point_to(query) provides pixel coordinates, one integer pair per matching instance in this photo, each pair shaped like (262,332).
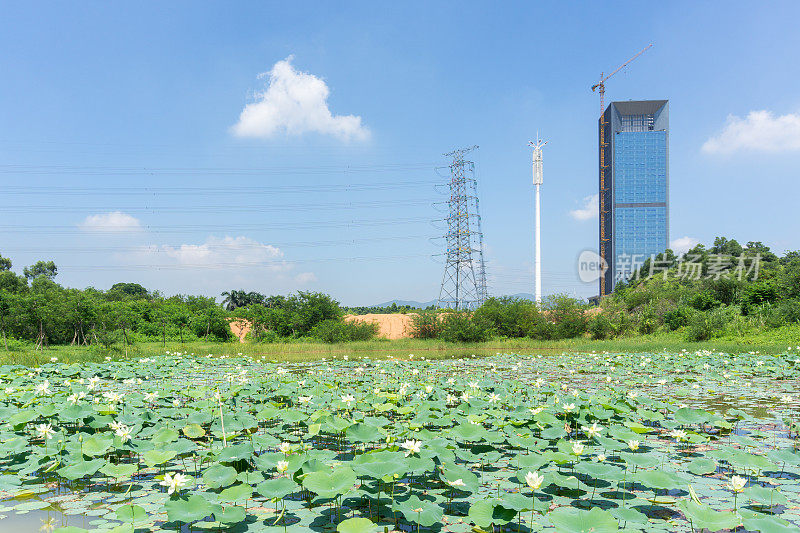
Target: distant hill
(423,305)
(409,303)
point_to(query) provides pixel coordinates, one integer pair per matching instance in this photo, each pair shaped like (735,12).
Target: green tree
(12,283)
(45,269)
(131,289)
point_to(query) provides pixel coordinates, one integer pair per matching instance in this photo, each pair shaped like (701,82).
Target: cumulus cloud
(759,131)
(682,245)
(221,253)
(112,222)
(589,209)
(216,264)
(294,103)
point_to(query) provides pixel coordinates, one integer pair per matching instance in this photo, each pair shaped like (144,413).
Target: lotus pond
(569,443)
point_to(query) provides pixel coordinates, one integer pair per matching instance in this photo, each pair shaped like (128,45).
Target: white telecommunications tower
(538,178)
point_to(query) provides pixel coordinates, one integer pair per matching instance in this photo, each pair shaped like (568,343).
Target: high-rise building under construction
(634,186)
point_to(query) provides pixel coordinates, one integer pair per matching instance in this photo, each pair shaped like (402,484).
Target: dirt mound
(240,328)
(390,326)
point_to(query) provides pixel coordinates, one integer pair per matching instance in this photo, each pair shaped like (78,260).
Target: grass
(765,341)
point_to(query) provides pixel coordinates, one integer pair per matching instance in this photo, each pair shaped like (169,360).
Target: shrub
(647,320)
(781,314)
(600,327)
(465,327)
(704,301)
(342,331)
(707,325)
(426,325)
(677,318)
(566,315)
(510,317)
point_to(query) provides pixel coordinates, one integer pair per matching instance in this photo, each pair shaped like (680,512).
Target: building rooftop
(638,107)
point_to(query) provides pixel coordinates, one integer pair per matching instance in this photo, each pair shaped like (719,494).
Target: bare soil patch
(390,326)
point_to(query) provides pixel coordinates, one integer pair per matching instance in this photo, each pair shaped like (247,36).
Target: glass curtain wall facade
(634,186)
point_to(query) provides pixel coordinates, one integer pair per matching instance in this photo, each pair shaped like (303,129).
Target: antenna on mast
(538,179)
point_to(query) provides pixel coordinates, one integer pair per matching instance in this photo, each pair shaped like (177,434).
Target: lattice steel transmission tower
(464,280)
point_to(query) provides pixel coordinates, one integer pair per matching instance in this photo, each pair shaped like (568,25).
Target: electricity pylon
(462,287)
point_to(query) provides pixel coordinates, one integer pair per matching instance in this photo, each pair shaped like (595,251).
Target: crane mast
(600,87)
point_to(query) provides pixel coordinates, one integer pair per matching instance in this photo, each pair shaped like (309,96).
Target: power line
(199,171)
(165,249)
(228,190)
(204,228)
(238,264)
(216,208)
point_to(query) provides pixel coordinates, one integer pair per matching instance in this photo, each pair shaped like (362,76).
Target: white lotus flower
(411,446)
(45,430)
(457,483)
(43,388)
(738,483)
(348,399)
(678,434)
(112,397)
(174,482)
(285,447)
(592,430)
(282,466)
(48,525)
(494,398)
(304,399)
(534,480)
(633,445)
(93,381)
(123,432)
(577,448)
(150,396)
(568,406)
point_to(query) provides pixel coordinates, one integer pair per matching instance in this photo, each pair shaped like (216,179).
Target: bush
(465,327)
(648,321)
(601,327)
(677,318)
(782,314)
(343,331)
(566,316)
(704,301)
(510,317)
(426,325)
(707,325)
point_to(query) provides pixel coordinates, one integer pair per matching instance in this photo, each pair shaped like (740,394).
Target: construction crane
(601,85)
(601,88)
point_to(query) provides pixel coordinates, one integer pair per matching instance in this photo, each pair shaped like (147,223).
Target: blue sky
(124,117)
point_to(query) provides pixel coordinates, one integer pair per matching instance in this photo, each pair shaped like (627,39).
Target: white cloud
(759,131)
(221,253)
(112,222)
(682,245)
(294,103)
(589,209)
(305,278)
